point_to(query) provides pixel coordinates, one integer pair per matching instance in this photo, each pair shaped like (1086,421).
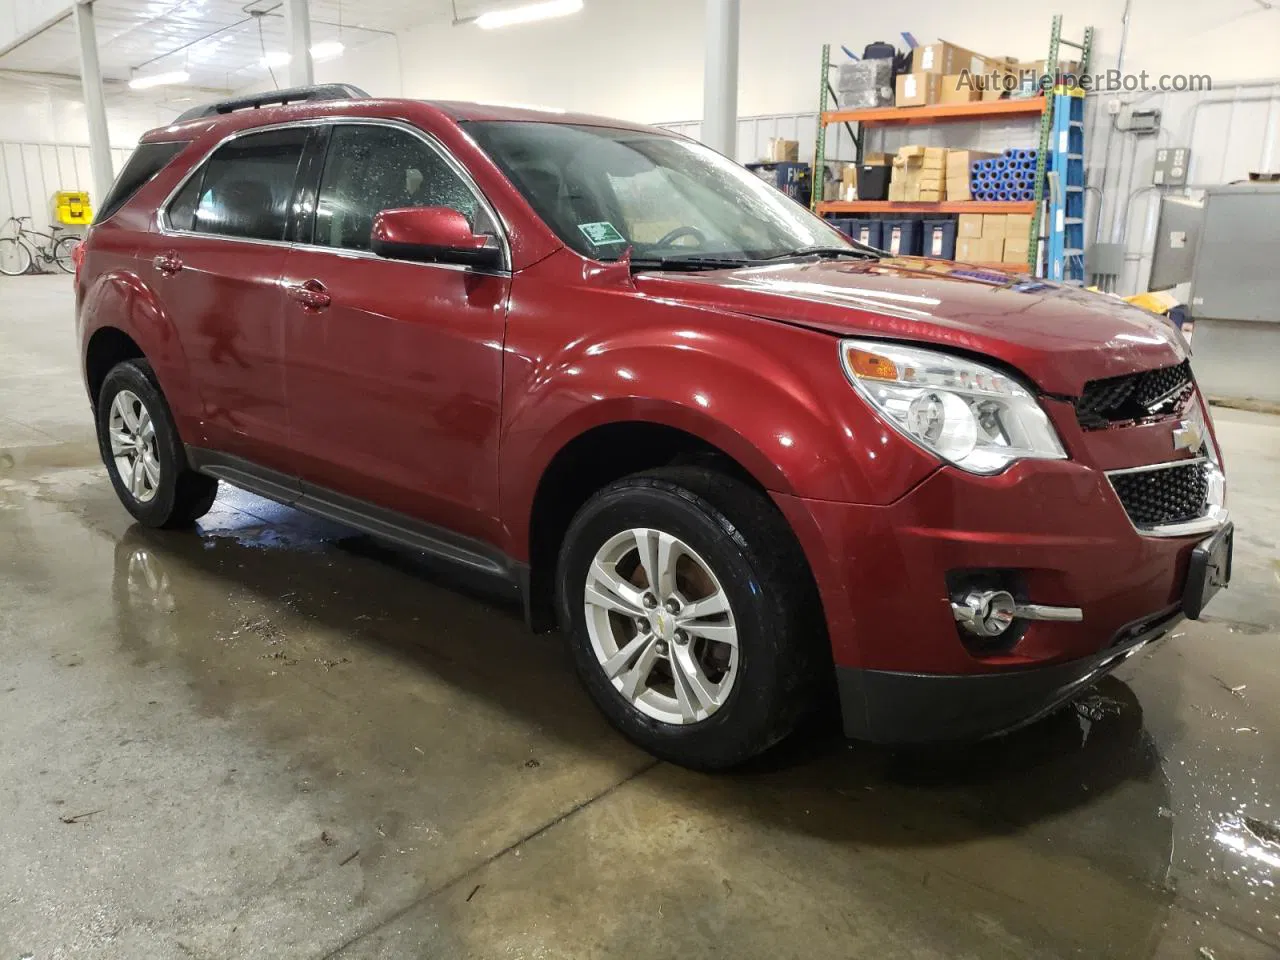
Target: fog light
(986,613)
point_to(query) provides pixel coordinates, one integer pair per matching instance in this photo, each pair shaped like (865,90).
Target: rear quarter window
(146,161)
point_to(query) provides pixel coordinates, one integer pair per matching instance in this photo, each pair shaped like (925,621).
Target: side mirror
(432,235)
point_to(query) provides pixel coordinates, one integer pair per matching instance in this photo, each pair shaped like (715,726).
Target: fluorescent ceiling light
(527,14)
(327,50)
(159,80)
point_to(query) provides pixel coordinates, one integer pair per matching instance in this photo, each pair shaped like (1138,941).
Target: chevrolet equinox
(738,459)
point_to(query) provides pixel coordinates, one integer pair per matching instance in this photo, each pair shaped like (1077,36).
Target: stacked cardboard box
(782,150)
(941,73)
(919,174)
(1017,237)
(959,175)
(993,237)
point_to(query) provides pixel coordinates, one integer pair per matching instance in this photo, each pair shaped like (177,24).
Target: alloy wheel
(661,626)
(133,446)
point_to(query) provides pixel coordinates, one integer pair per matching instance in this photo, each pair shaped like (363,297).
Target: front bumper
(905,673)
(905,708)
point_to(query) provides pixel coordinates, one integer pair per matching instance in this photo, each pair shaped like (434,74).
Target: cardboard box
(1015,249)
(783,151)
(994,225)
(877,158)
(935,158)
(909,151)
(989,250)
(918,89)
(998,82)
(961,88)
(980,249)
(944,58)
(970,227)
(1017,225)
(959,177)
(1030,73)
(924,195)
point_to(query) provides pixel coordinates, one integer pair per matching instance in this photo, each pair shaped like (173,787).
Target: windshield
(605,190)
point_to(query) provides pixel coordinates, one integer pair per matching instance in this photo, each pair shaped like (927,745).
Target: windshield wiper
(826,252)
(688,263)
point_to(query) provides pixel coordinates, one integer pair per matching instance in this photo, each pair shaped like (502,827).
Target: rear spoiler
(323,91)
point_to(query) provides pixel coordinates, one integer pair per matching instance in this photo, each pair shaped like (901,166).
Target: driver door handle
(311,294)
(168,263)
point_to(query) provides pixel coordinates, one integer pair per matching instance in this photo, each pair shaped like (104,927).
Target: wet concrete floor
(273,738)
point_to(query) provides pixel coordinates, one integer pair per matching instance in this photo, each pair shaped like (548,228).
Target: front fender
(771,396)
(120,299)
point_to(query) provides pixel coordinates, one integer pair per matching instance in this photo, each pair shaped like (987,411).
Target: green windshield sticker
(601,234)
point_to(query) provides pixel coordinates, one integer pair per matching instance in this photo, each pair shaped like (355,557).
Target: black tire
(62,254)
(181,495)
(782,640)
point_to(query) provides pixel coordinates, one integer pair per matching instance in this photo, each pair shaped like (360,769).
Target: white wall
(642,59)
(38,108)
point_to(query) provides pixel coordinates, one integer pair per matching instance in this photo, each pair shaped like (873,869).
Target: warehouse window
(145,162)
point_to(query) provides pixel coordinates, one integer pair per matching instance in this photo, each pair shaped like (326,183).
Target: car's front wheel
(143,453)
(693,619)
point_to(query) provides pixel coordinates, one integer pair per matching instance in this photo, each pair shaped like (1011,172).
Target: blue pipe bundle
(1010,176)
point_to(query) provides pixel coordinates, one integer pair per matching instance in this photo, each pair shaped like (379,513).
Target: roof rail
(323,91)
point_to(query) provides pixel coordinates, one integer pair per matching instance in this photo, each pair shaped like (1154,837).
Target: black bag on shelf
(879,51)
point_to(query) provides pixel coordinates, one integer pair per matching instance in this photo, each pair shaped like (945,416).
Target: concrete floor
(272,738)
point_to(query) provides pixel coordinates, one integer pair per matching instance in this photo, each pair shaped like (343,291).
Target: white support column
(95,110)
(297,25)
(720,88)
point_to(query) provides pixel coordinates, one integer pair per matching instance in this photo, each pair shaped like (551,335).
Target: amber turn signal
(871,366)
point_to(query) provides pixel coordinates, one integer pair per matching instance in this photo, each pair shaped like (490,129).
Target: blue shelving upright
(1065,260)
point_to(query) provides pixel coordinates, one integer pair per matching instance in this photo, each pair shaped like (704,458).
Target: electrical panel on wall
(1143,123)
(1170,168)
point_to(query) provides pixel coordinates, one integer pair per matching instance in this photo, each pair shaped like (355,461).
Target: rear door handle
(168,263)
(311,294)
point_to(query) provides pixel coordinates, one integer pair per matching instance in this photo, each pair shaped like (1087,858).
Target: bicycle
(19,252)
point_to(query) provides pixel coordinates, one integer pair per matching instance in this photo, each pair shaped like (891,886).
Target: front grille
(1172,494)
(1134,396)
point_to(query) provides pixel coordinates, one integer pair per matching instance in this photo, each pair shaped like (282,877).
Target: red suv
(719,445)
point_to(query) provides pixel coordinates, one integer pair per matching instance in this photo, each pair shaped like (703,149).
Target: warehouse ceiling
(220,43)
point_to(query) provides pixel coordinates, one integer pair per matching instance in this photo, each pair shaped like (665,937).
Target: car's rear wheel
(143,453)
(693,619)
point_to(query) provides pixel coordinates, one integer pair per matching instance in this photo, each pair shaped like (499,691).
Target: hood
(1059,336)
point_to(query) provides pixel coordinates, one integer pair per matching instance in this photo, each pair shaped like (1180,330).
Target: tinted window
(369,169)
(245,188)
(148,160)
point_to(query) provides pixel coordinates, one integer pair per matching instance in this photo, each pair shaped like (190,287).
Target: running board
(290,491)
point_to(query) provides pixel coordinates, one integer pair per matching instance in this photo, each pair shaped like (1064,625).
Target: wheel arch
(591,459)
(122,318)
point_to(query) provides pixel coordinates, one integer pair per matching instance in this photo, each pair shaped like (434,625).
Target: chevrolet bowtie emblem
(1188,436)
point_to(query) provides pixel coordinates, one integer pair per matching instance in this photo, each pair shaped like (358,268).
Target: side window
(182,211)
(244,189)
(369,169)
(146,161)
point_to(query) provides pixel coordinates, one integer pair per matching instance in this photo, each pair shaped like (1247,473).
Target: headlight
(976,417)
